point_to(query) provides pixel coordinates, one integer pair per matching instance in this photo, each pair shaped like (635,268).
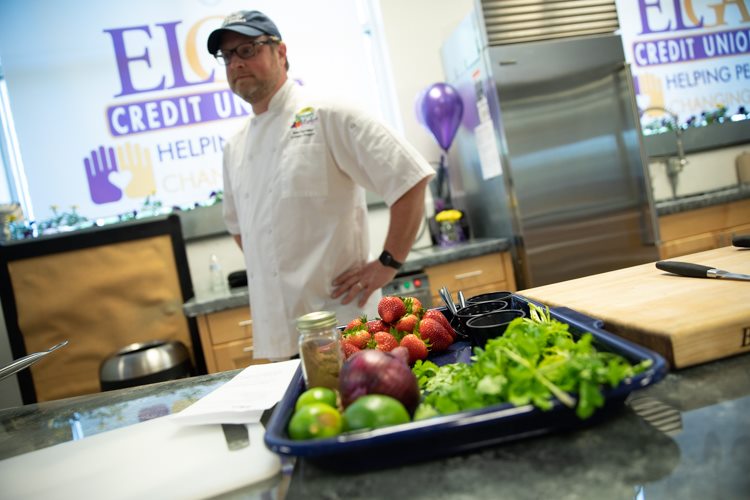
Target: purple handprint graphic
(98,168)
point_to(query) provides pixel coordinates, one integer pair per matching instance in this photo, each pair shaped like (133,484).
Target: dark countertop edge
(418,259)
(702,200)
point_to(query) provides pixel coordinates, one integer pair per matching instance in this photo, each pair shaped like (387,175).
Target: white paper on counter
(243,399)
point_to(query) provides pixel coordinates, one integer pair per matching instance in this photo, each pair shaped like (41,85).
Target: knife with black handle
(741,241)
(698,271)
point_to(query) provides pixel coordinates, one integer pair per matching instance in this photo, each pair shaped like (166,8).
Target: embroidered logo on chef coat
(304,123)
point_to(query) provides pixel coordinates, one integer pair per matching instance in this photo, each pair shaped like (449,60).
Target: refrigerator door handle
(650,226)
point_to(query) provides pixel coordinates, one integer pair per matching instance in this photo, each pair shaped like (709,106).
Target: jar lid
(318,319)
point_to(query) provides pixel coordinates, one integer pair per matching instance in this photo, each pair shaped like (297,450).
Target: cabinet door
(235,354)
(227,339)
(232,324)
(487,273)
(724,238)
(714,219)
(690,244)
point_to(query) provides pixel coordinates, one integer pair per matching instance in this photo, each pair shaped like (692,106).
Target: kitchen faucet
(674,165)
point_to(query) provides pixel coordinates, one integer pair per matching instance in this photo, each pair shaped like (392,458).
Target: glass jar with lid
(320,349)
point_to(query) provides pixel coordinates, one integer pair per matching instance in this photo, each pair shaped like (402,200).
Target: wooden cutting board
(687,320)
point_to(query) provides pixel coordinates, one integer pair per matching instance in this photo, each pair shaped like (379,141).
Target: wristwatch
(387,260)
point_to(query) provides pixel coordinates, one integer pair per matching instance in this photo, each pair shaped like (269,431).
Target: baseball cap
(244,22)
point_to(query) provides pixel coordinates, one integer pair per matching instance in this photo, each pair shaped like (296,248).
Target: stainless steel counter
(418,259)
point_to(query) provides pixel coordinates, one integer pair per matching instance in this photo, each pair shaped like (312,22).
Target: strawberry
(384,341)
(407,323)
(413,305)
(440,338)
(349,348)
(356,323)
(391,308)
(377,325)
(358,338)
(437,315)
(416,346)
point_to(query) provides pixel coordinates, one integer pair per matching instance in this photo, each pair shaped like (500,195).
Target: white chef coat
(294,188)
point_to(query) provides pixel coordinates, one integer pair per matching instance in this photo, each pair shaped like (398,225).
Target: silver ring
(360,285)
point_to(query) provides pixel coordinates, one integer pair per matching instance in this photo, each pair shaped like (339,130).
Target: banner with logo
(688,56)
(115,102)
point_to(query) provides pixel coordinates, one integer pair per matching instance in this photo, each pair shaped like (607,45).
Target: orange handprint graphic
(137,160)
(650,93)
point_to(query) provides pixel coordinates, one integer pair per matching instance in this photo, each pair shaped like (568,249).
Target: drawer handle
(247,322)
(470,274)
(247,349)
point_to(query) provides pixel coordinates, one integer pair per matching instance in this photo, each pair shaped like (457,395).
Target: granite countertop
(418,259)
(684,437)
(35,426)
(702,200)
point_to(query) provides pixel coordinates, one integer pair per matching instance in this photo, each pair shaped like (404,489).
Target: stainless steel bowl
(145,363)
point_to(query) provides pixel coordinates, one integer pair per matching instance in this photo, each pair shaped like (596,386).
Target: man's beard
(254,91)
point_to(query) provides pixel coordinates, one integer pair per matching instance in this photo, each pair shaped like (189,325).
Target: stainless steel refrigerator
(557,119)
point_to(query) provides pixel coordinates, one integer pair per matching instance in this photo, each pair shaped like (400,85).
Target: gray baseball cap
(244,22)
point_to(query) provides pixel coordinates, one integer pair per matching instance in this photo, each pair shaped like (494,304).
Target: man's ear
(282,51)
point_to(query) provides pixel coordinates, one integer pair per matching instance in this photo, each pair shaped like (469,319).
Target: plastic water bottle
(216,275)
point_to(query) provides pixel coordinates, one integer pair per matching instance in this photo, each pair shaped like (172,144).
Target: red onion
(371,371)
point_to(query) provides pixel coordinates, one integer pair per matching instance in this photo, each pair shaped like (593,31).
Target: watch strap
(387,260)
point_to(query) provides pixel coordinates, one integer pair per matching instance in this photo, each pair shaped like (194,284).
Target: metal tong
(446,296)
(27,361)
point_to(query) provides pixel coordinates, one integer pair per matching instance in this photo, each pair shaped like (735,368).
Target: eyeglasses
(244,51)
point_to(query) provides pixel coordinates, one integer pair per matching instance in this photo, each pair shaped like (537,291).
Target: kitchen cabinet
(227,339)
(703,229)
(474,275)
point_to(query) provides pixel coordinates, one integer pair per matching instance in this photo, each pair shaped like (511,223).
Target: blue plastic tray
(459,432)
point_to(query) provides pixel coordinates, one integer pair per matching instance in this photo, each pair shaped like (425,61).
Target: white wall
(706,171)
(415,31)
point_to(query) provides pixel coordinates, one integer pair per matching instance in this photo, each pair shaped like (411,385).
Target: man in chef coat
(294,191)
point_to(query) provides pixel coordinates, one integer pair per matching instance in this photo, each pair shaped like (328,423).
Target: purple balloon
(442,110)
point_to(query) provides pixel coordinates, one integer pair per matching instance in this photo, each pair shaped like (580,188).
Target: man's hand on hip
(361,282)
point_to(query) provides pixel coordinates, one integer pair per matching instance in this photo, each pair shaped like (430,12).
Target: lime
(316,395)
(315,421)
(374,410)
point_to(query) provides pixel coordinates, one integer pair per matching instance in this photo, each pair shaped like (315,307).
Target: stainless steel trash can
(145,363)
